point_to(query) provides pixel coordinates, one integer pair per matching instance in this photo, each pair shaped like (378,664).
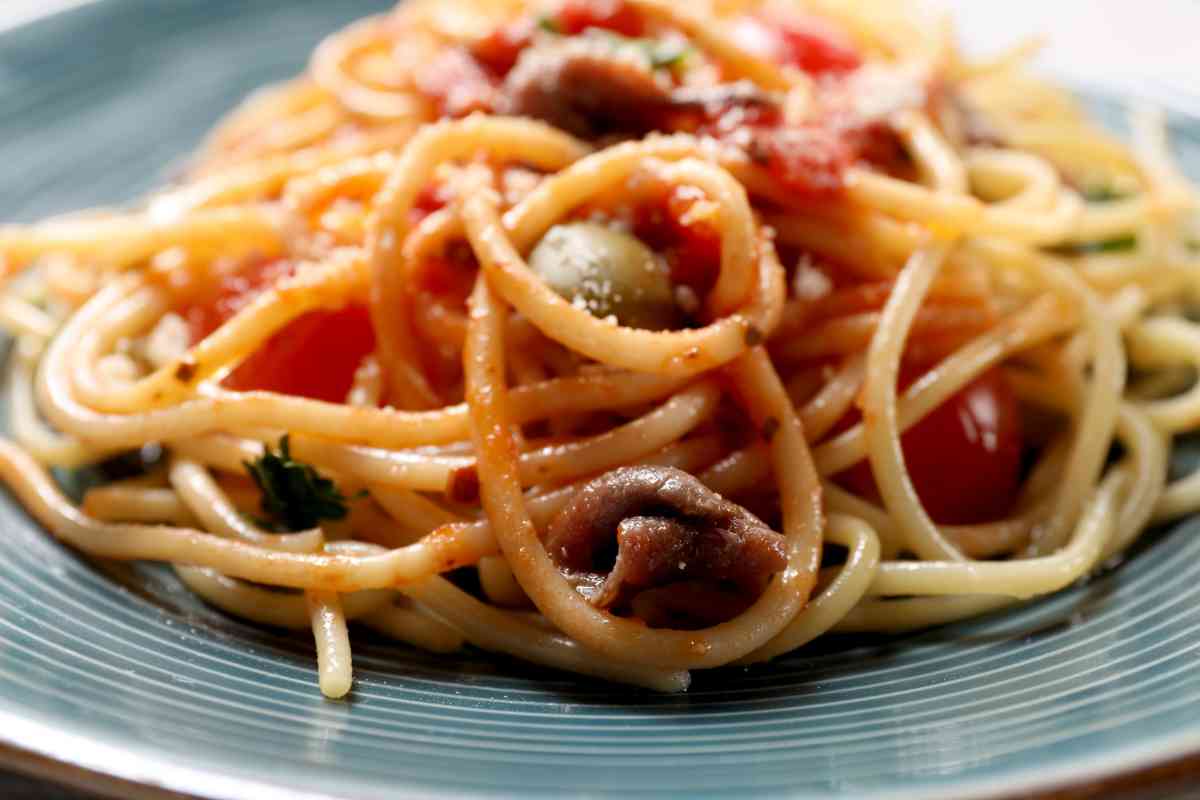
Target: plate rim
(25,747)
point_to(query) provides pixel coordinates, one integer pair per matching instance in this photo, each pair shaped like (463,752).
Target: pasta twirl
(622,338)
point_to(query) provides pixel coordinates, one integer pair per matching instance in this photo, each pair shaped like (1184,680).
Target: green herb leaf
(295,497)
(1102,193)
(549,24)
(1117,245)
(1109,245)
(666,55)
(660,53)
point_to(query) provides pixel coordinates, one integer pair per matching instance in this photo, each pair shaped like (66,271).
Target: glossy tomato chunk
(809,160)
(499,51)
(799,41)
(576,16)
(964,458)
(314,356)
(692,249)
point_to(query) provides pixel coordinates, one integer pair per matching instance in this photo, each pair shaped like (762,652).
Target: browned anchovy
(582,86)
(665,527)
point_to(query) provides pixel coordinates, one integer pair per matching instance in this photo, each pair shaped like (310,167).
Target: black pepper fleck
(185,371)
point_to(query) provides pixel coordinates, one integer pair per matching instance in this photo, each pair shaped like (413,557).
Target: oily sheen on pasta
(624,337)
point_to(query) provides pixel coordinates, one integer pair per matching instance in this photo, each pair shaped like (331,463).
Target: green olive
(608,272)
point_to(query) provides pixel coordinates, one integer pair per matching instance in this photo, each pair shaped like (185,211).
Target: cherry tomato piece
(499,50)
(314,356)
(964,458)
(576,16)
(804,42)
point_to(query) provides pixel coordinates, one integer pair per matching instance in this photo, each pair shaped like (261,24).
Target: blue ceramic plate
(124,674)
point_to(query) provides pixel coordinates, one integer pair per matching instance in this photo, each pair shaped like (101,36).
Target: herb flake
(549,24)
(1120,244)
(659,53)
(1102,193)
(295,497)
(665,54)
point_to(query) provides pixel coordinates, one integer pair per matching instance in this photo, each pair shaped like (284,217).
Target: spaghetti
(622,338)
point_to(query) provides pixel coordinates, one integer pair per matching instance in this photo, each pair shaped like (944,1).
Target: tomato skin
(692,249)
(433,197)
(809,160)
(576,16)
(314,356)
(211,305)
(964,458)
(458,83)
(798,41)
(498,51)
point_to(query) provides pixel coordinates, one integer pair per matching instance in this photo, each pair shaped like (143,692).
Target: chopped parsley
(295,497)
(549,24)
(1102,193)
(660,53)
(666,54)
(1099,193)
(1118,245)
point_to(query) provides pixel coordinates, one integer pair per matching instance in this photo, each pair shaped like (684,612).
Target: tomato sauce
(692,248)
(314,356)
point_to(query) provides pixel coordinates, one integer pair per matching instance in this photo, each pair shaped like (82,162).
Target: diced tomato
(457,83)
(314,356)
(695,258)
(808,43)
(692,249)
(877,144)
(809,160)
(576,16)
(432,198)
(209,306)
(449,278)
(498,51)
(964,458)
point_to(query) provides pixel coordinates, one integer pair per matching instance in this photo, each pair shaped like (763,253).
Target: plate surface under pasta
(139,677)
